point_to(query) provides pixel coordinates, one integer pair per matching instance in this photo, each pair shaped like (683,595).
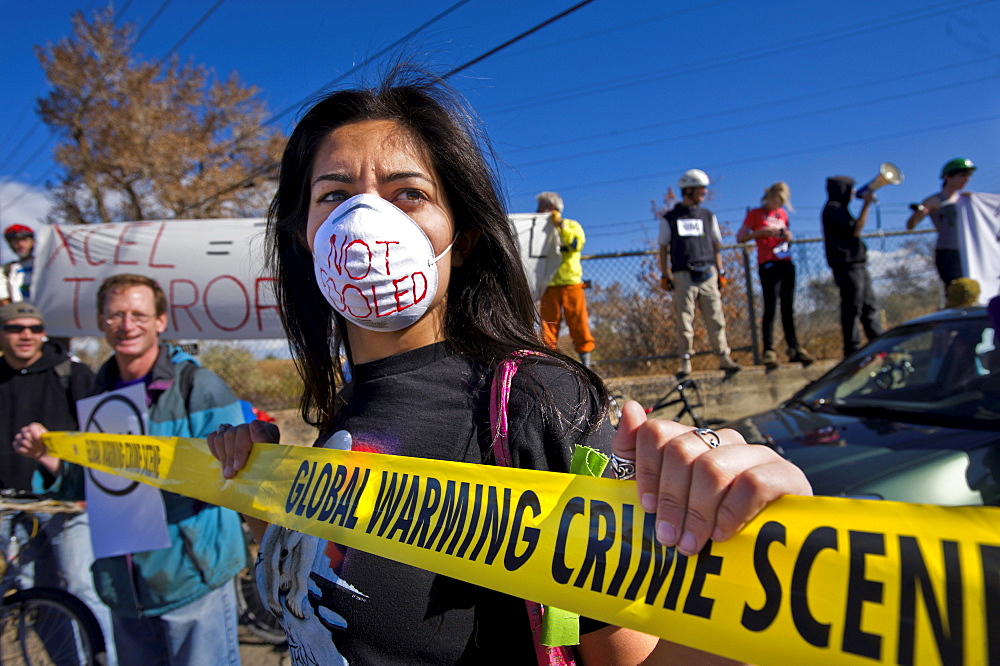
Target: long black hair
(489,312)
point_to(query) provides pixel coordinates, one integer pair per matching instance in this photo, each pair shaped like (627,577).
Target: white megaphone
(888,174)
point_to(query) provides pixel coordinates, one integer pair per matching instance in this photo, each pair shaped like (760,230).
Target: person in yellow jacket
(564,298)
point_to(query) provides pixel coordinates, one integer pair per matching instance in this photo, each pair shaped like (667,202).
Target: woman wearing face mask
(388,236)
(768,227)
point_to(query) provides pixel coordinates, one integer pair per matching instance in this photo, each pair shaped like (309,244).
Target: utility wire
(263,170)
(835,35)
(272,167)
(368,61)
(121,10)
(621,26)
(760,123)
(790,153)
(149,24)
(38,123)
(768,104)
(191,31)
(45,144)
(514,40)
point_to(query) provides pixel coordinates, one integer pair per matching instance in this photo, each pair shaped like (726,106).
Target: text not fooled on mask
(374,265)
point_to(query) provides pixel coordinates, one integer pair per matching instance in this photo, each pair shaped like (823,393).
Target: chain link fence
(632,319)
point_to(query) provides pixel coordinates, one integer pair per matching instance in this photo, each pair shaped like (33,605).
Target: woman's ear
(463,246)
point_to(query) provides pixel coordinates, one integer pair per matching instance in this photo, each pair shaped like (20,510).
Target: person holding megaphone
(943,210)
(847,256)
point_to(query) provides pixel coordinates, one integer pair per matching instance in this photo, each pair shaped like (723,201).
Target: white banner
(979,241)
(211,270)
(539,244)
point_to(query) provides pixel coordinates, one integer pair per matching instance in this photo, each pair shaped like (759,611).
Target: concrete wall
(750,391)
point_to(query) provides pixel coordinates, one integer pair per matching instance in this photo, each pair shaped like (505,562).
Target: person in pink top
(768,227)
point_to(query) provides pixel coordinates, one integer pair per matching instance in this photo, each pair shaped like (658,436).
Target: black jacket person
(847,257)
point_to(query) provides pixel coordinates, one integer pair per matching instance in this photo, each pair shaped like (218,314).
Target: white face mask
(375,265)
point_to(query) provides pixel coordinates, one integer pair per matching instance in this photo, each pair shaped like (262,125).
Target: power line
(191,31)
(45,144)
(121,10)
(261,171)
(12,130)
(514,40)
(790,153)
(622,26)
(271,167)
(740,57)
(38,122)
(369,60)
(769,121)
(768,104)
(149,24)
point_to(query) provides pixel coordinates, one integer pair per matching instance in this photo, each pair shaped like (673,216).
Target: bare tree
(150,140)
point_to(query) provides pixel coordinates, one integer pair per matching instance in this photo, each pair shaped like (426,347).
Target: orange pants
(566,302)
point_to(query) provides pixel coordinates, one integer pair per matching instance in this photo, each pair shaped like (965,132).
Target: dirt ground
(254,652)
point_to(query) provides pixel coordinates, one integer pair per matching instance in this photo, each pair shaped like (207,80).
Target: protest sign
(539,244)
(212,272)
(125,516)
(979,239)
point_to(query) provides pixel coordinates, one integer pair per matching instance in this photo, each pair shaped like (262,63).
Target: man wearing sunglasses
(40,383)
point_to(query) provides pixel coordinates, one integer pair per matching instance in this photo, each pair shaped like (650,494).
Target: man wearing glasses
(40,383)
(177,604)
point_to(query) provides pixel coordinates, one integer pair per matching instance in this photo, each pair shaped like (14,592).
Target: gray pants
(709,300)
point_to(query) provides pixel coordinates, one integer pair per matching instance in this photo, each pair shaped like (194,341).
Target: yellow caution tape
(810,580)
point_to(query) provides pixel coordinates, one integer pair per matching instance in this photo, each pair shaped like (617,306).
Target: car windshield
(946,371)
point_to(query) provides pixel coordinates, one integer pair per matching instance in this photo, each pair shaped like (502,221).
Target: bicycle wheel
(48,626)
(254,615)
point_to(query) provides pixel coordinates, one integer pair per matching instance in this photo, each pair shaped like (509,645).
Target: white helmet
(693,178)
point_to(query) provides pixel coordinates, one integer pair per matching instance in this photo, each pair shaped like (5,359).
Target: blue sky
(609,105)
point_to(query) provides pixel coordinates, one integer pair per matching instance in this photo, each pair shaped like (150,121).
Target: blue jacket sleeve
(68,485)
(212,404)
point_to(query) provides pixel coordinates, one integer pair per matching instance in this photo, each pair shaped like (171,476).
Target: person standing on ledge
(691,267)
(767,226)
(564,297)
(943,211)
(847,256)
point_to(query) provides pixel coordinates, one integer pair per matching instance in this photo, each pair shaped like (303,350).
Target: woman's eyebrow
(403,175)
(334,177)
(388,178)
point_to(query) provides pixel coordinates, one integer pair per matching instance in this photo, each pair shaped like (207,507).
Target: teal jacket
(206,541)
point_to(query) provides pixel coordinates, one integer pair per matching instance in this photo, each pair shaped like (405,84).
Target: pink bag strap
(499,429)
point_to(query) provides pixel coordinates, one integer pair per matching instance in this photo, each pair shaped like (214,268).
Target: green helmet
(957,164)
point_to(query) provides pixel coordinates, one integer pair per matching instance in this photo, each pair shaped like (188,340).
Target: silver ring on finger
(709,436)
(223,428)
(623,468)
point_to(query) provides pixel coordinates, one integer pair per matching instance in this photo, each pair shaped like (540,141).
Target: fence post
(751,304)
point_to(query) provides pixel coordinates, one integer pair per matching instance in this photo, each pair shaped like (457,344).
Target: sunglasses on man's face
(17,328)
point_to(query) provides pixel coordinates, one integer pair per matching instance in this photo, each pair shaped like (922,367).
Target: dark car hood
(844,454)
